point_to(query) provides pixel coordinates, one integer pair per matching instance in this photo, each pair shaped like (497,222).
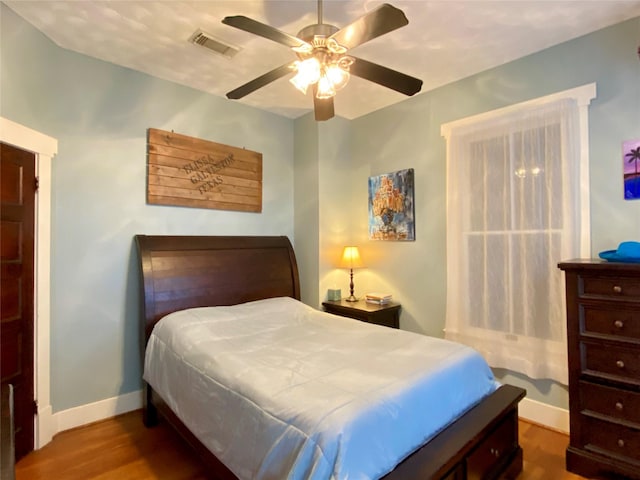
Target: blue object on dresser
(626,252)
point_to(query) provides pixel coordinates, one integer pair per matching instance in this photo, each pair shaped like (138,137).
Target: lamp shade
(351,258)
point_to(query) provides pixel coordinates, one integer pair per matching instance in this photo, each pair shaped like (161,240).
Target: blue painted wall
(100,113)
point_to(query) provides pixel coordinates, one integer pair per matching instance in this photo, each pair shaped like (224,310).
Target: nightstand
(386,315)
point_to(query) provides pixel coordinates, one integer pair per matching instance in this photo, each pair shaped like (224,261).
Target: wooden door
(17,219)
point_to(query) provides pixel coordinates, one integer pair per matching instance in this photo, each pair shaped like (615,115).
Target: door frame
(45,148)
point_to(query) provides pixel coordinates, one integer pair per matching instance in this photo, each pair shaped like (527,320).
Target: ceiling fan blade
(392,79)
(261,81)
(322,107)
(252,26)
(383,19)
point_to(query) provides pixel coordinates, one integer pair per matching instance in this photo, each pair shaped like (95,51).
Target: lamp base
(351,297)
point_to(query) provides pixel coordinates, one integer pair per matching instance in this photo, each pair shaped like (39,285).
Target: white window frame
(582,97)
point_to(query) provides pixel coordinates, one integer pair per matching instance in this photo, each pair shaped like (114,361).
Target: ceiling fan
(323,64)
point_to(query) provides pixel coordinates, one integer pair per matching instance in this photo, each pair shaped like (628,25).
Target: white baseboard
(44,431)
(92,412)
(552,417)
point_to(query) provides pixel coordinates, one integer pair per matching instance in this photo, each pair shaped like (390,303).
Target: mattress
(277,389)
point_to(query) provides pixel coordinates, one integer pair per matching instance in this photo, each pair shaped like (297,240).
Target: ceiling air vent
(215,45)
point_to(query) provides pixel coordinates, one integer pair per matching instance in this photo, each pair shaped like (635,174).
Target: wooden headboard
(179,272)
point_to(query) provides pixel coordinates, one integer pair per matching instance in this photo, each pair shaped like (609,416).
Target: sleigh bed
(253,273)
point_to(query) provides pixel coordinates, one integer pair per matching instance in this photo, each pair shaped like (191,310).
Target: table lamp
(351,259)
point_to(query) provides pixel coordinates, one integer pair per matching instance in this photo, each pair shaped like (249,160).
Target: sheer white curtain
(513,212)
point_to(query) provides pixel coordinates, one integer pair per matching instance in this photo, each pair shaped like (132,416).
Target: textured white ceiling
(446,40)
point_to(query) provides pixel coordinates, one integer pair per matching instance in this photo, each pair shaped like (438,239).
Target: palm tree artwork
(631,159)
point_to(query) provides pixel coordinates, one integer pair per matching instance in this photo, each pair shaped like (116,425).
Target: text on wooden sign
(191,172)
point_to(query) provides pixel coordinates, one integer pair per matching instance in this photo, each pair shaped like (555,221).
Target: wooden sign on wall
(190,172)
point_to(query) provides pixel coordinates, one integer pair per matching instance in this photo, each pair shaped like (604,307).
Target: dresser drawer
(617,403)
(497,447)
(611,439)
(613,362)
(627,288)
(621,324)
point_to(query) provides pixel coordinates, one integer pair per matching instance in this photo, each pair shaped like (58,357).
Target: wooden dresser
(603,332)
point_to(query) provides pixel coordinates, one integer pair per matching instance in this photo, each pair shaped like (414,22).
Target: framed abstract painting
(391,206)
(631,169)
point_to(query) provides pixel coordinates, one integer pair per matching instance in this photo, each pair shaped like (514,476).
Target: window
(517,204)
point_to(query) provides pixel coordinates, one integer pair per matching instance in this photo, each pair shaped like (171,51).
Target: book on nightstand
(378,298)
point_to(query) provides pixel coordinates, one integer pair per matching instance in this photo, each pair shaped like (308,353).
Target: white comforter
(276,389)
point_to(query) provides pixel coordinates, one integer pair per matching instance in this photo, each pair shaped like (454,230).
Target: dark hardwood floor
(543,453)
(121,448)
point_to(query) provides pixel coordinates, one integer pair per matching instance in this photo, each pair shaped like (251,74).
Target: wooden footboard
(482,444)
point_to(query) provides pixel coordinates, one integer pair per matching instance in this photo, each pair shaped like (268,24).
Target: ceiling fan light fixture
(337,76)
(299,82)
(325,87)
(334,47)
(308,73)
(305,48)
(329,74)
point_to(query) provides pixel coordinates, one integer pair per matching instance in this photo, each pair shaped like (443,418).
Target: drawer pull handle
(621,443)
(618,324)
(617,289)
(495,452)
(619,406)
(620,364)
